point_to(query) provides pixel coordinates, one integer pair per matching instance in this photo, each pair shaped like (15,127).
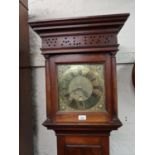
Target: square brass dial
(81,88)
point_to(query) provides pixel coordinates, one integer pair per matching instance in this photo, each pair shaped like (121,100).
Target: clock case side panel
(114,87)
(49,113)
(70,117)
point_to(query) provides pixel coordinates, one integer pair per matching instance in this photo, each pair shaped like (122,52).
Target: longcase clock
(81,91)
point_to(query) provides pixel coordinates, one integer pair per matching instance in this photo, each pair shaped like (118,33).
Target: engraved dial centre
(80,89)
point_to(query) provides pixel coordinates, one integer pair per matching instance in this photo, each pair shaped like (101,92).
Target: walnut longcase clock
(81,91)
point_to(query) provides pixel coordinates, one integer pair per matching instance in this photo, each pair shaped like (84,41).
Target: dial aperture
(81,87)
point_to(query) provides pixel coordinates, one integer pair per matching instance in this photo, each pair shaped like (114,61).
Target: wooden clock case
(75,41)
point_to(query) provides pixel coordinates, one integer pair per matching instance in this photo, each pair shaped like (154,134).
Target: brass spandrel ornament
(81,88)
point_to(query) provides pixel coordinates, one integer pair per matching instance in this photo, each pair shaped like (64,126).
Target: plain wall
(122,140)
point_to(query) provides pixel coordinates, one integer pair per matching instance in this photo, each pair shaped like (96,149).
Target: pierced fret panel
(79,41)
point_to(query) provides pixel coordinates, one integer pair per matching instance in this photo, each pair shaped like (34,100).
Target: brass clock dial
(81,87)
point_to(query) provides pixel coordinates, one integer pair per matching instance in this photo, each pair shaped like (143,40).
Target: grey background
(122,140)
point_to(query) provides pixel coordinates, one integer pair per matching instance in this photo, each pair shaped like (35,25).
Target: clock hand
(84,93)
(82,90)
